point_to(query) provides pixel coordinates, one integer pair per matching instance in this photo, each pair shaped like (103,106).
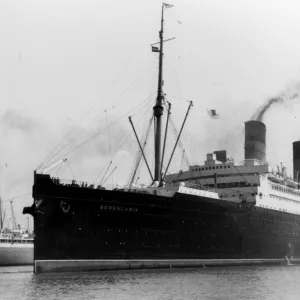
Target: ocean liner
(214,214)
(16,246)
(16,249)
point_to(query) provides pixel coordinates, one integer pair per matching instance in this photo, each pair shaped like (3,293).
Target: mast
(158,108)
(165,139)
(1,219)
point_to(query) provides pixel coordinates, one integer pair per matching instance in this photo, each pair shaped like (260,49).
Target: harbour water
(206,283)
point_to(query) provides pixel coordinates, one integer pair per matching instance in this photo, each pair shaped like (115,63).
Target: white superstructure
(250,182)
(16,251)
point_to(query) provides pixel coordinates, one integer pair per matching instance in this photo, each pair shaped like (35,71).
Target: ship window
(217,167)
(206,168)
(213,168)
(209,168)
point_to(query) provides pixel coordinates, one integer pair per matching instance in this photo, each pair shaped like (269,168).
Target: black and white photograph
(150,150)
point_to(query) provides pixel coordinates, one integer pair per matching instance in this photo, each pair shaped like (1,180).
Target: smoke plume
(266,106)
(290,93)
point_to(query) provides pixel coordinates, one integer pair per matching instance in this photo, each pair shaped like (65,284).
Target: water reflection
(206,283)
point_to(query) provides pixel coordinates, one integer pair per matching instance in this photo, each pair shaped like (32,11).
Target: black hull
(117,228)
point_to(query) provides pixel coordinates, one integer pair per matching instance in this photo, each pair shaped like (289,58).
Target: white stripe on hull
(44,266)
(16,254)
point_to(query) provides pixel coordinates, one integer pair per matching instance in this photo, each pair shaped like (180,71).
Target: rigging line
(86,113)
(144,103)
(188,142)
(182,159)
(128,64)
(142,117)
(121,73)
(112,124)
(108,134)
(58,169)
(137,158)
(52,157)
(86,141)
(181,98)
(137,162)
(192,149)
(66,136)
(104,173)
(71,169)
(149,133)
(109,175)
(129,86)
(118,150)
(175,72)
(79,132)
(186,136)
(13,198)
(95,135)
(175,135)
(138,155)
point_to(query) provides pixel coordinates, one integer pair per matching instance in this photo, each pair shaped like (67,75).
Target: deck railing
(125,187)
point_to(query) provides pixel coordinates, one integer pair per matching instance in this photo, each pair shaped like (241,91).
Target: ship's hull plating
(88,229)
(47,266)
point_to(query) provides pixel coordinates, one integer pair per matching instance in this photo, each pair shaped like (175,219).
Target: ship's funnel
(296,160)
(221,155)
(255,140)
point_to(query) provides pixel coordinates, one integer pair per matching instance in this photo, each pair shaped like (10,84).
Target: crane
(15,227)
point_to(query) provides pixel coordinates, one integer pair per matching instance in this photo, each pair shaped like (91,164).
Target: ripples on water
(206,283)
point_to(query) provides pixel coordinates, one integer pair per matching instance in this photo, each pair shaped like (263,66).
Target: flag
(167,5)
(155,49)
(213,114)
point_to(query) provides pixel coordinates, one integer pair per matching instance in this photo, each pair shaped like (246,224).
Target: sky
(79,68)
